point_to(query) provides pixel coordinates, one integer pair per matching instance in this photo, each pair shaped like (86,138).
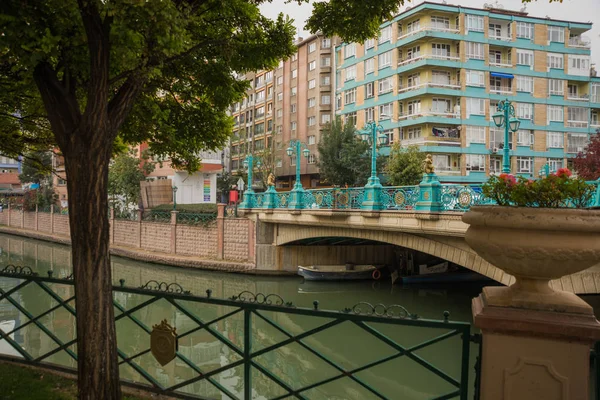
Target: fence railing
(243,347)
(156,216)
(196,218)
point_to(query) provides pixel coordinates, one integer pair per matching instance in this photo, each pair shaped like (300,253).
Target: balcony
(502,37)
(582,42)
(443,85)
(577,124)
(440,27)
(447,170)
(431,56)
(503,62)
(501,89)
(432,141)
(430,113)
(578,97)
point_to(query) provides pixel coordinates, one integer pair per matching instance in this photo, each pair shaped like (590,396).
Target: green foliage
(405,165)
(36,167)
(124,176)
(224,183)
(205,208)
(343,158)
(554,191)
(43,197)
(267,165)
(587,163)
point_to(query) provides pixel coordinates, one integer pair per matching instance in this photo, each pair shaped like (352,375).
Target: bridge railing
(454,197)
(241,346)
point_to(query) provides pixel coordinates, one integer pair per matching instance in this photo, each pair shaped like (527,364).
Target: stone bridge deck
(438,234)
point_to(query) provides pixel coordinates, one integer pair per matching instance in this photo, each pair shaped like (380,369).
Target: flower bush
(556,190)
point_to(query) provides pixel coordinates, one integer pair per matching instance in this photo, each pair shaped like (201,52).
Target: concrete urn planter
(535,245)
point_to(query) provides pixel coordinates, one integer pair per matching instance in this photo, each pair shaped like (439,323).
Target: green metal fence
(196,218)
(224,352)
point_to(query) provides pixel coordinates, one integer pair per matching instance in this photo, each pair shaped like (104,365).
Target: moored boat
(345,272)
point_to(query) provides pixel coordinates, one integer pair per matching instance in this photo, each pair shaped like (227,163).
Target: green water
(345,344)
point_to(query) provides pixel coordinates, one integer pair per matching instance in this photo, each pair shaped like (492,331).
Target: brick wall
(236,238)
(197,241)
(4,217)
(156,237)
(61,225)
(44,222)
(29,220)
(126,233)
(15,218)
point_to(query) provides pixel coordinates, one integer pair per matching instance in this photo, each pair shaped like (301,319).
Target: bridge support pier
(534,354)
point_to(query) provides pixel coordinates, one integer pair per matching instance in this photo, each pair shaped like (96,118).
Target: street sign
(240,184)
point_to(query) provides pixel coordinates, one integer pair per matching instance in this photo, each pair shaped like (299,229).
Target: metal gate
(250,345)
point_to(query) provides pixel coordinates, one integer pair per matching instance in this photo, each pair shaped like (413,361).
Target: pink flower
(563,173)
(509,179)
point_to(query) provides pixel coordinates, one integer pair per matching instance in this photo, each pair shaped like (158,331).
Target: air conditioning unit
(495,150)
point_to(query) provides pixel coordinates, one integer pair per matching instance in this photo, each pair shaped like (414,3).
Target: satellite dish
(487,5)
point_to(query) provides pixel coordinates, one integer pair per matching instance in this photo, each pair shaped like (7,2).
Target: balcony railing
(443,85)
(432,56)
(500,37)
(578,97)
(501,89)
(431,141)
(577,124)
(432,113)
(451,28)
(571,148)
(502,62)
(447,170)
(580,41)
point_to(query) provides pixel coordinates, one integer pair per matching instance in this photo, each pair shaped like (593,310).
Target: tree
(343,157)
(124,176)
(405,165)
(267,165)
(79,73)
(225,182)
(587,163)
(36,167)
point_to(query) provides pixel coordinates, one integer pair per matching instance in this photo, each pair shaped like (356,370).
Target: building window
(350,73)
(386,111)
(385,59)
(294,73)
(413,80)
(385,85)
(293,160)
(475,134)
(440,23)
(475,50)
(556,61)
(280,80)
(440,50)
(311,102)
(369,65)
(385,35)
(579,65)
(325,43)
(325,118)
(325,99)
(441,106)
(312,65)
(293,108)
(293,125)
(350,96)
(576,142)
(414,107)
(556,34)
(312,121)
(413,133)
(294,57)
(554,164)
(525,84)
(556,87)
(524,30)
(369,114)
(278,164)
(350,50)
(495,165)
(312,83)
(524,165)
(578,114)
(524,111)
(350,118)
(413,26)
(389,133)
(475,23)
(555,140)
(325,80)
(312,47)
(369,44)
(294,91)
(325,61)
(525,57)
(475,106)
(312,139)
(556,114)
(525,137)
(369,90)
(475,78)
(476,162)
(338,101)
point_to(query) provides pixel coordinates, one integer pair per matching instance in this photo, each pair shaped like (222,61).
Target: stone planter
(535,245)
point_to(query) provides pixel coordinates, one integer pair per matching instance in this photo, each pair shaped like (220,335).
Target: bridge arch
(449,248)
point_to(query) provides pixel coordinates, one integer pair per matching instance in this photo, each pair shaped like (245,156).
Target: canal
(347,345)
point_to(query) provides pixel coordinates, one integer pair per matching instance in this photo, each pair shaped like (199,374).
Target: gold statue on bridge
(428,164)
(271,180)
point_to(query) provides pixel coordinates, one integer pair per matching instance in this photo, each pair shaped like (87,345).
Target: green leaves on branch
(405,165)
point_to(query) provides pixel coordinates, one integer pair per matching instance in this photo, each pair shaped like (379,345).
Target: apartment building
(294,101)
(436,72)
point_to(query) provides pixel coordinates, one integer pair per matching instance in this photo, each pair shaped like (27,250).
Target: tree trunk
(87,184)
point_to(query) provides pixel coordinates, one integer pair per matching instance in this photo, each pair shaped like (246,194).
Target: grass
(20,383)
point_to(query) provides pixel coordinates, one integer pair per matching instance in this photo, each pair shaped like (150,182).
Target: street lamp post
(174,198)
(506,117)
(297,194)
(249,192)
(373,134)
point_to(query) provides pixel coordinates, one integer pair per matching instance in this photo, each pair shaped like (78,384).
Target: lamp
(289,151)
(246,163)
(306,152)
(498,119)
(381,139)
(514,124)
(258,164)
(364,135)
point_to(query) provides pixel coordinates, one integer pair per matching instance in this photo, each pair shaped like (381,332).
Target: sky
(570,10)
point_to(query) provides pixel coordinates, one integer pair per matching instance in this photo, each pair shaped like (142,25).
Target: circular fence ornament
(319,198)
(163,342)
(283,200)
(343,199)
(399,199)
(465,198)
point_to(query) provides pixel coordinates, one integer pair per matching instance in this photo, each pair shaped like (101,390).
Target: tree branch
(122,103)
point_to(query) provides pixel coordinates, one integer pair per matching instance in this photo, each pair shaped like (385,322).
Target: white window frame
(350,96)
(475,50)
(312,47)
(525,137)
(311,121)
(350,73)
(556,87)
(294,73)
(325,99)
(524,111)
(555,113)
(475,162)
(369,65)
(555,140)
(369,114)
(384,60)
(525,165)
(524,84)
(350,50)
(325,118)
(312,84)
(474,23)
(325,80)
(578,65)
(556,34)
(326,43)
(475,106)
(326,61)
(312,102)
(525,30)
(293,125)
(385,85)
(480,78)
(555,61)
(312,65)
(369,90)
(525,57)
(386,109)
(369,44)
(385,34)
(475,134)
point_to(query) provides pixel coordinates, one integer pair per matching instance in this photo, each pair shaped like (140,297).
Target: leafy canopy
(587,163)
(405,165)
(124,176)
(36,167)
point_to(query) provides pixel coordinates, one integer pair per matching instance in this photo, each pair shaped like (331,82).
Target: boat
(347,272)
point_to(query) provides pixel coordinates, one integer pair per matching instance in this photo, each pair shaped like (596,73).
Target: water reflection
(345,344)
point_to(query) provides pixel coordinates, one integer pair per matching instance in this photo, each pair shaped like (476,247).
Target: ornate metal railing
(130,215)
(246,346)
(196,218)
(156,216)
(400,198)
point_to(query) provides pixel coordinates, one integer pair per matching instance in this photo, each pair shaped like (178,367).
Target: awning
(501,75)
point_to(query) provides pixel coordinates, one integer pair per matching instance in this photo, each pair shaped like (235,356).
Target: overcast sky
(570,10)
